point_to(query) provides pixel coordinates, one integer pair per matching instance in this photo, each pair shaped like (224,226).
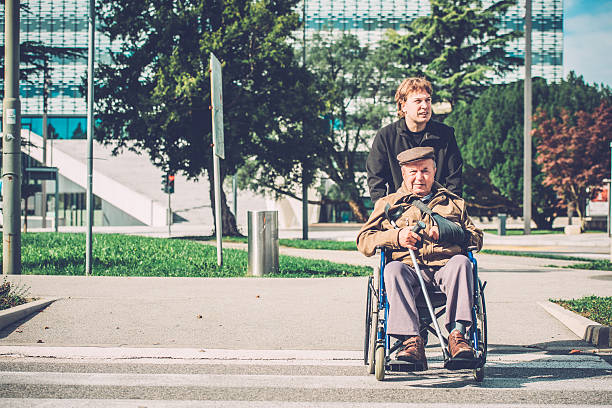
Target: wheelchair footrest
(462,363)
(404,366)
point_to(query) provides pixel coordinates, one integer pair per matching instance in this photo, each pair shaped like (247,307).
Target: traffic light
(170,183)
(164,183)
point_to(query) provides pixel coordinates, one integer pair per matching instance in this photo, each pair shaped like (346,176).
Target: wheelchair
(378,349)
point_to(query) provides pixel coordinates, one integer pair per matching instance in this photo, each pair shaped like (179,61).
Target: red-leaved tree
(574,152)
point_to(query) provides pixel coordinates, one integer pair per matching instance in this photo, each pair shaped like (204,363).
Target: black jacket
(384,173)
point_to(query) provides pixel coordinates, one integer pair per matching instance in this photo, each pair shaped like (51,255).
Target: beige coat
(378,231)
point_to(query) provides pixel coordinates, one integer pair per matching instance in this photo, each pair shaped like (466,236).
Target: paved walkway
(276,313)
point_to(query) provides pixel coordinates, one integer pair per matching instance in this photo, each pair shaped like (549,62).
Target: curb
(588,330)
(10,316)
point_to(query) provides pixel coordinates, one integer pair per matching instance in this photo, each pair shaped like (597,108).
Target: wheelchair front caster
(379,369)
(479,374)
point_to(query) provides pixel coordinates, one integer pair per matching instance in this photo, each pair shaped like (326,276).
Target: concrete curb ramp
(588,330)
(10,316)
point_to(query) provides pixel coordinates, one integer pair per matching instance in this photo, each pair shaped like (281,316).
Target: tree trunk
(228,220)
(570,212)
(542,221)
(358,209)
(581,216)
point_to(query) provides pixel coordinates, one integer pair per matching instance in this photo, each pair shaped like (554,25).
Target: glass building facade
(369,19)
(62,24)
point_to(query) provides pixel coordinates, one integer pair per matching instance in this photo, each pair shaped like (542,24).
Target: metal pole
(304,206)
(90,130)
(304,183)
(44,147)
(610,203)
(235,195)
(56,205)
(527,124)
(11,144)
(218,223)
(169,214)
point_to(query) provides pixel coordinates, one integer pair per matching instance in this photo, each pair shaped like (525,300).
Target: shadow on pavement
(542,362)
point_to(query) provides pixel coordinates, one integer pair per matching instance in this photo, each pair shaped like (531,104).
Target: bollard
(263,242)
(501,228)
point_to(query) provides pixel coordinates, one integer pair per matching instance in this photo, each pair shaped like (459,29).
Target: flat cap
(414,154)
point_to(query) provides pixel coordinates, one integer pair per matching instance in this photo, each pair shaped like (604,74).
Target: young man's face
(419,176)
(417,109)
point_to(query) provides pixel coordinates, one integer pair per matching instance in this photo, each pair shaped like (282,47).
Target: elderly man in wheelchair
(434,258)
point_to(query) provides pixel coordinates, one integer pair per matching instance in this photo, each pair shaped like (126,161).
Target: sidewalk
(277,313)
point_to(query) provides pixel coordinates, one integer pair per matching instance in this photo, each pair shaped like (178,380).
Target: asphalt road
(515,377)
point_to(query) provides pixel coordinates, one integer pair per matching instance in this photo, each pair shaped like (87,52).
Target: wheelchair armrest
(386,250)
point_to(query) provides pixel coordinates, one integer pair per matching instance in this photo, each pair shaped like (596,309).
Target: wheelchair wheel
(368,323)
(481,327)
(372,328)
(379,362)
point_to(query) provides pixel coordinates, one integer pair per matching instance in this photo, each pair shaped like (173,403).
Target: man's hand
(408,239)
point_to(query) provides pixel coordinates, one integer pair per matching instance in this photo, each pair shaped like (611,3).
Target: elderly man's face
(419,176)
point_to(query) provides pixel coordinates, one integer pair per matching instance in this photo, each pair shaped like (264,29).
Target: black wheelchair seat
(436,297)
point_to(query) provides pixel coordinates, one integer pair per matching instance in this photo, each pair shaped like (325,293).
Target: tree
(154,97)
(355,86)
(348,99)
(490,135)
(576,156)
(459,46)
(350,79)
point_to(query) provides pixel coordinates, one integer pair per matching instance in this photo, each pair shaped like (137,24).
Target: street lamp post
(527,124)
(11,144)
(90,130)
(304,169)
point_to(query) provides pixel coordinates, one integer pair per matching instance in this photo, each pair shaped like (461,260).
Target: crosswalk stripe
(287,381)
(339,357)
(528,359)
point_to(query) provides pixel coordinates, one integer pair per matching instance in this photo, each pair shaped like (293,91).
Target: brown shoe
(458,346)
(413,352)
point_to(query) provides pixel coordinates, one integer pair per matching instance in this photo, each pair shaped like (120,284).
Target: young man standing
(413,129)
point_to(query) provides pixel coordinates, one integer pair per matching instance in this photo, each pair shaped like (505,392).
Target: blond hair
(409,86)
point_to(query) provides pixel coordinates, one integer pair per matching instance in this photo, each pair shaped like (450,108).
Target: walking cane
(417,228)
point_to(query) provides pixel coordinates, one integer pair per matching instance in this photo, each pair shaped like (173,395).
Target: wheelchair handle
(418,227)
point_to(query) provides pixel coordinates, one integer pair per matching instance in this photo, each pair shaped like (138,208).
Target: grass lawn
(596,308)
(49,253)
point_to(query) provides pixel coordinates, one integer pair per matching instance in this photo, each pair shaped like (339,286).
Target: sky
(587,42)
